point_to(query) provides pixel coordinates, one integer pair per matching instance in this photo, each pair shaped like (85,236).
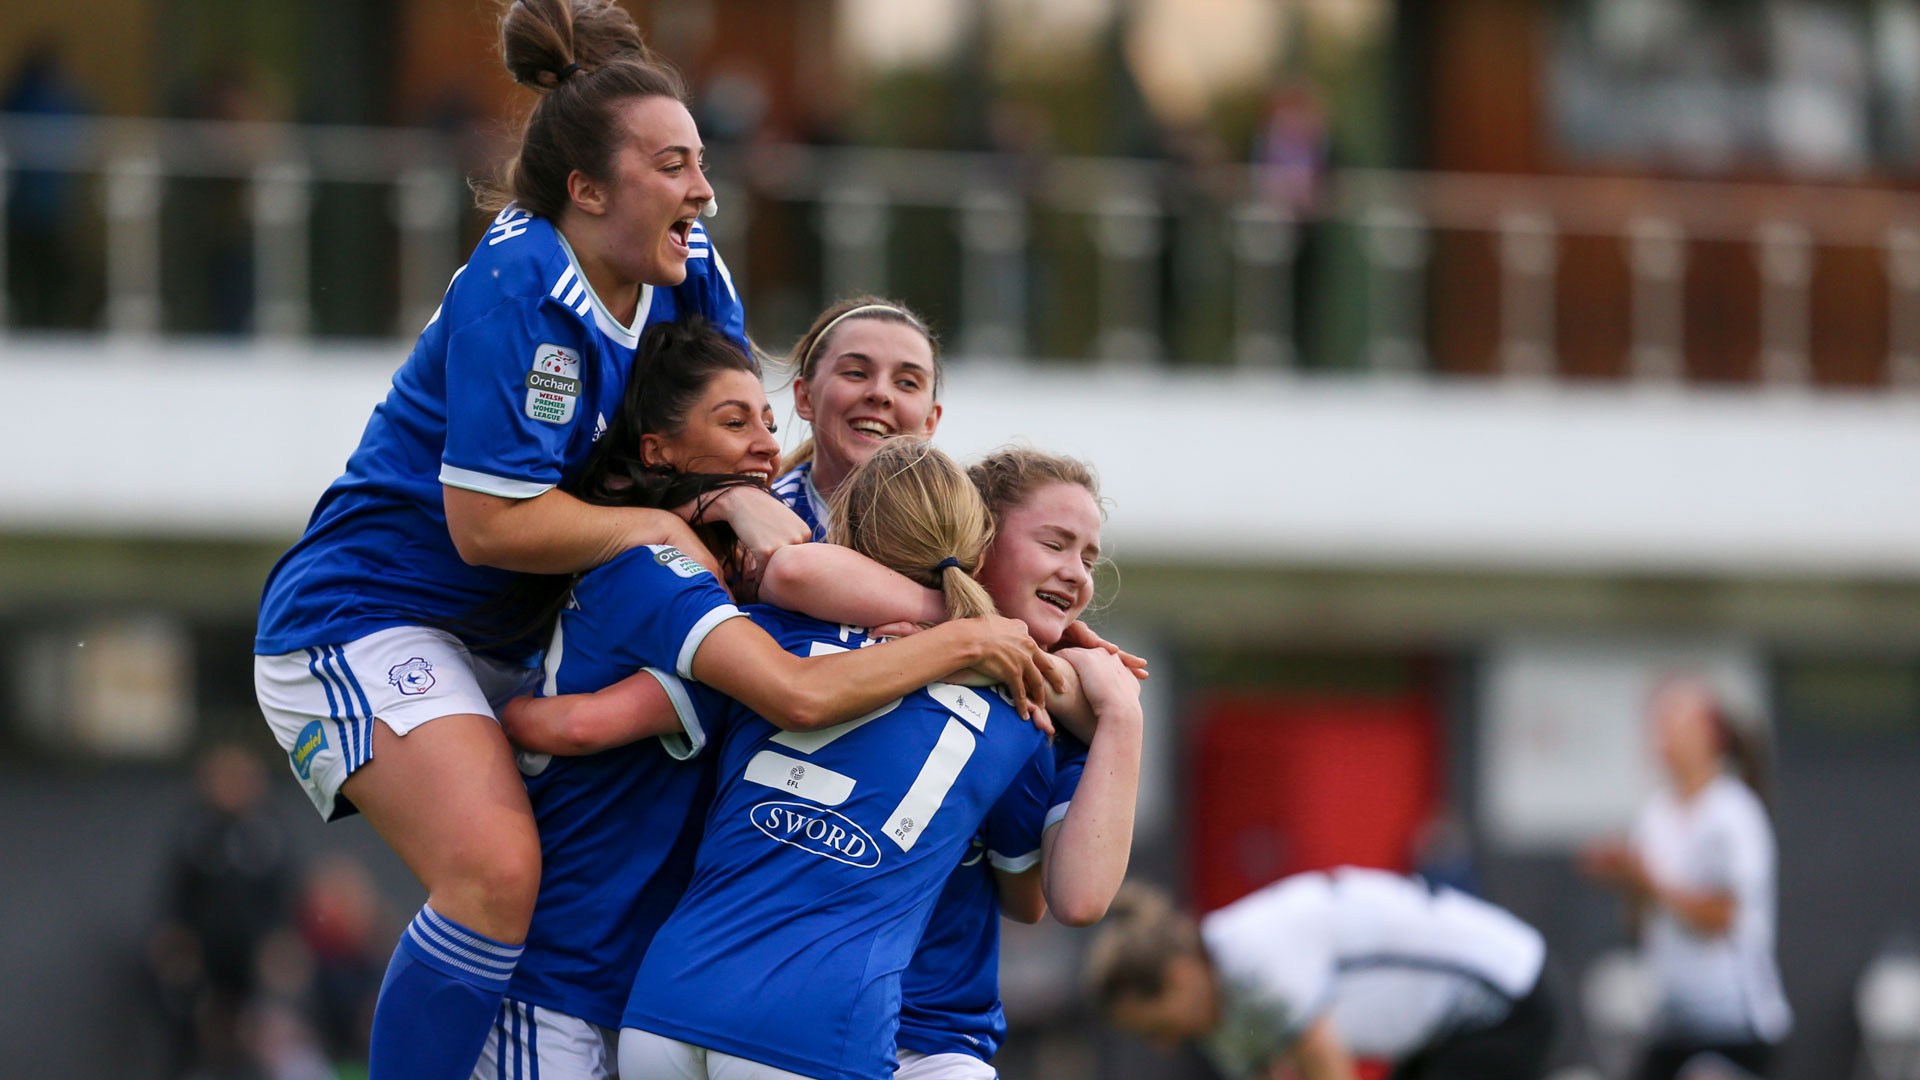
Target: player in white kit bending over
(1319,968)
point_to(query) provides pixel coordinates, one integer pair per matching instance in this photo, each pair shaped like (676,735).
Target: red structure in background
(1283,784)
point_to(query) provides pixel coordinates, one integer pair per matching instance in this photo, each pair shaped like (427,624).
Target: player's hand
(1008,655)
(763,523)
(1112,688)
(1616,864)
(663,528)
(1081,636)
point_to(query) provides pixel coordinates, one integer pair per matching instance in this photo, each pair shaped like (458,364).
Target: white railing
(1132,211)
(280,164)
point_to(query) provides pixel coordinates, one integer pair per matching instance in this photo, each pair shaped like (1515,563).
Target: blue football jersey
(950,994)
(822,858)
(618,829)
(510,384)
(795,488)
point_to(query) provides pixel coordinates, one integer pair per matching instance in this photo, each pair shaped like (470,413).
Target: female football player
(1698,878)
(455,486)
(1321,967)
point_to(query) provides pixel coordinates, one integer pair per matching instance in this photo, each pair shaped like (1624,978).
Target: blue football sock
(438,1000)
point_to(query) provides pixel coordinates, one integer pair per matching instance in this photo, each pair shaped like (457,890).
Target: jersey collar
(816,500)
(628,336)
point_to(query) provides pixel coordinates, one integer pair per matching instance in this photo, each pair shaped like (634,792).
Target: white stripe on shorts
(530,1042)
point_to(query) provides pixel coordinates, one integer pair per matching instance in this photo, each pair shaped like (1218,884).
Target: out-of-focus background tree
(1457,369)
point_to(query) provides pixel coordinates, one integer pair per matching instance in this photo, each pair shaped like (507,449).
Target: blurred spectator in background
(1443,853)
(349,932)
(1698,876)
(1292,143)
(38,200)
(228,886)
(209,289)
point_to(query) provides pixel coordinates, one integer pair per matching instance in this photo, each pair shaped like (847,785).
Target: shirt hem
(505,487)
(929,1046)
(560,1003)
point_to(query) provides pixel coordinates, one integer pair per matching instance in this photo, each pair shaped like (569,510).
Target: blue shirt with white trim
(510,384)
(822,858)
(795,488)
(618,829)
(951,992)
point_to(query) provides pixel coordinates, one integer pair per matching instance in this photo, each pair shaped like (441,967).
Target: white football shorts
(532,1043)
(646,1056)
(915,1065)
(321,702)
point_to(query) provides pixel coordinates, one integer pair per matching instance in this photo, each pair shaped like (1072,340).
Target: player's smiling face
(1039,568)
(874,381)
(657,189)
(729,430)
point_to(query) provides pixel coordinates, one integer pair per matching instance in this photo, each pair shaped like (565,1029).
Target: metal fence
(1138,222)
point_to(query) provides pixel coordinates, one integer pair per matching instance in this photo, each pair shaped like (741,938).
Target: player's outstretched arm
(741,660)
(555,533)
(1084,857)
(632,709)
(841,585)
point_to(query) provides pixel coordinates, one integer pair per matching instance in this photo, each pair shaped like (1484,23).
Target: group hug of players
(715,765)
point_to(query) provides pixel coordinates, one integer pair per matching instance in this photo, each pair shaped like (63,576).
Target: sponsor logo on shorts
(817,831)
(413,677)
(311,740)
(553,384)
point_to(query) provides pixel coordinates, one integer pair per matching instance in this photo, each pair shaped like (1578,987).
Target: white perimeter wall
(237,441)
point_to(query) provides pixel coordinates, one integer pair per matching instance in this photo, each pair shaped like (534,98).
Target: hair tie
(946,562)
(565,73)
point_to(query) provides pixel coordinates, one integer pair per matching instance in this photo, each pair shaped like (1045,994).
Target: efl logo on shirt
(553,384)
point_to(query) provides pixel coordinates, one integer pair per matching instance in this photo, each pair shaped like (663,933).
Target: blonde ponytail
(911,509)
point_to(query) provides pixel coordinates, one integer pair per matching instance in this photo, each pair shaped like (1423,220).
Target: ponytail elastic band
(565,73)
(946,562)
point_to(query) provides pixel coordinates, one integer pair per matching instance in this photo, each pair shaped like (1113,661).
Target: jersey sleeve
(704,714)
(1013,826)
(1069,761)
(513,387)
(653,607)
(708,288)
